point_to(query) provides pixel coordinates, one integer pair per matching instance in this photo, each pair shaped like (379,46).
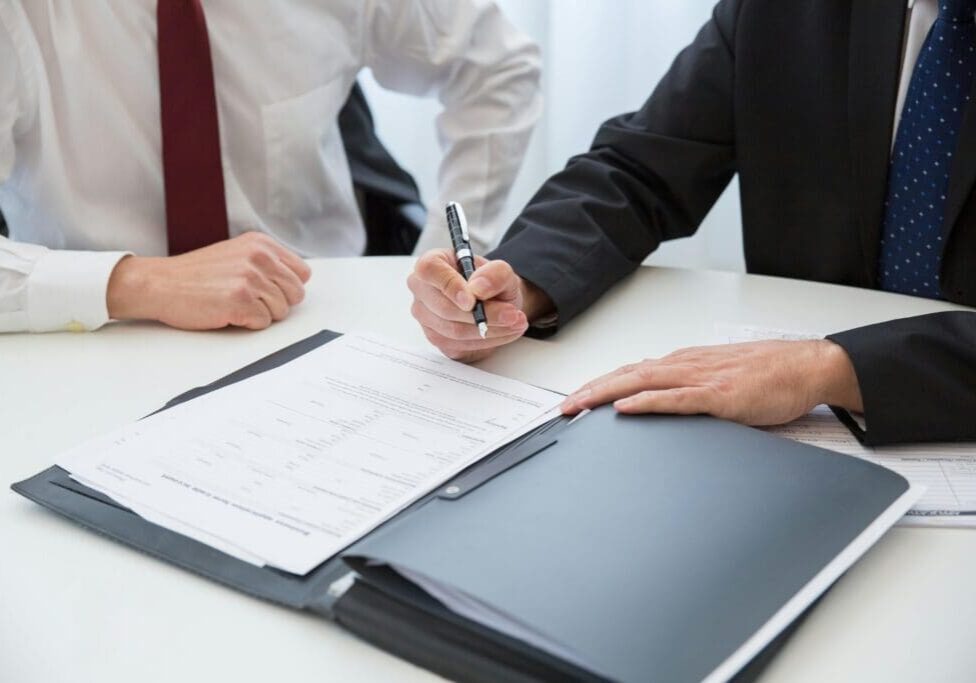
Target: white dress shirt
(81,178)
(921,15)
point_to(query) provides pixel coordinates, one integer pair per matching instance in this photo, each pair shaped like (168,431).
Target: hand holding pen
(446,304)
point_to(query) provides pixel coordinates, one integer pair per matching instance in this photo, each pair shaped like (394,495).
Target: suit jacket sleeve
(651,175)
(917,377)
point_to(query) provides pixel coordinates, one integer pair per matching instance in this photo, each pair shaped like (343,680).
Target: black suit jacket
(797,98)
(384,189)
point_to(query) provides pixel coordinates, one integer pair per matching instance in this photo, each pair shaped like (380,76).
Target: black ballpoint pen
(458,225)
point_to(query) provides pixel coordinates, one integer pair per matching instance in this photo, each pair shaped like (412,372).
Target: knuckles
(243,291)
(255,237)
(645,371)
(260,257)
(503,269)
(628,369)
(721,385)
(413,284)
(249,318)
(417,311)
(253,277)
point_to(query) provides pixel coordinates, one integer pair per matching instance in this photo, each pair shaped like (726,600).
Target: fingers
(263,245)
(289,283)
(466,330)
(437,270)
(259,300)
(275,282)
(259,317)
(274,299)
(498,313)
(626,381)
(463,349)
(679,401)
(622,370)
(256,305)
(253,315)
(293,262)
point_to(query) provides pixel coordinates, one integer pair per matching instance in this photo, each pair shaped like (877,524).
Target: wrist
(129,294)
(837,383)
(535,303)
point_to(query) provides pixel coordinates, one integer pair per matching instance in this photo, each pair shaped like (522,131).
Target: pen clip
(462,221)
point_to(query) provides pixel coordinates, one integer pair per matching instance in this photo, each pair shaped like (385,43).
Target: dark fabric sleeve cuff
(848,421)
(917,377)
(571,289)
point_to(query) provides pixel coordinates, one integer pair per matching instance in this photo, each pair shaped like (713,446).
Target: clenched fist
(249,281)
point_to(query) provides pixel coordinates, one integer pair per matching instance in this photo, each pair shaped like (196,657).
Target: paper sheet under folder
(647,548)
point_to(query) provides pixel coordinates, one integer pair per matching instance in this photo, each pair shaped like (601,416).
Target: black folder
(649,548)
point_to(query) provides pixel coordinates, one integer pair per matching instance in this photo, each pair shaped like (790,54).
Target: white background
(600,58)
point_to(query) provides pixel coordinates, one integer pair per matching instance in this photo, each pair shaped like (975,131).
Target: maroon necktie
(196,209)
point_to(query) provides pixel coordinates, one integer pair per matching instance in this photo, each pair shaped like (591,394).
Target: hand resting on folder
(756,383)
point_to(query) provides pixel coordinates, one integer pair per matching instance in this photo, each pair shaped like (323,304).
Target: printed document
(947,471)
(289,467)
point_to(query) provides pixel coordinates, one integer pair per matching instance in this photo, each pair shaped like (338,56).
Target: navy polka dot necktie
(918,178)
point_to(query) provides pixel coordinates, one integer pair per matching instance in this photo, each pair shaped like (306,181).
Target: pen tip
(483,330)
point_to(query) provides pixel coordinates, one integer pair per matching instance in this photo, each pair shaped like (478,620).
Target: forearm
(649,176)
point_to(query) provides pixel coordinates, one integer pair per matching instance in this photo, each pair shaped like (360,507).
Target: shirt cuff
(67,290)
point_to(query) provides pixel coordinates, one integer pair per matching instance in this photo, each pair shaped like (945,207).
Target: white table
(77,607)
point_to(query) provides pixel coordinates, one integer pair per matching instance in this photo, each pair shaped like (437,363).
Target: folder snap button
(452,490)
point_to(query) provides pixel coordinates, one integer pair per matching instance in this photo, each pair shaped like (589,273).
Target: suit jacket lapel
(876,35)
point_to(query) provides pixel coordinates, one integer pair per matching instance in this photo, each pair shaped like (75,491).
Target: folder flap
(392,613)
(504,459)
(467,483)
(632,534)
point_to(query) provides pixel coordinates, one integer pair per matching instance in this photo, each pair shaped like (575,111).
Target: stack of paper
(289,467)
